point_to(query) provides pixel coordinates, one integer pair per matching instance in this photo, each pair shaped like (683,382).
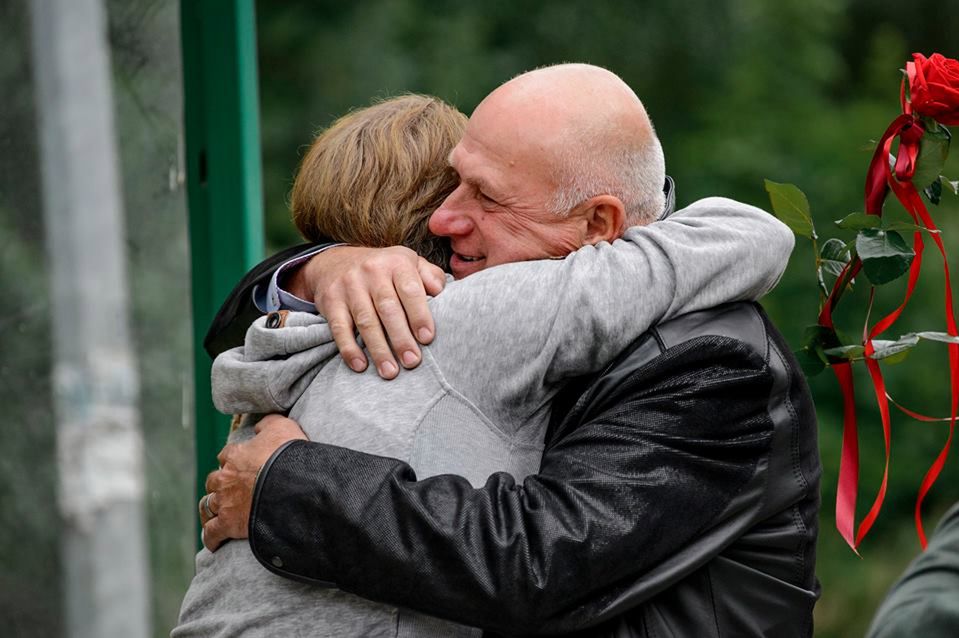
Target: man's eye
(486,199)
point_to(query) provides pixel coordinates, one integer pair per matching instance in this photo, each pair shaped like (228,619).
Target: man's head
(552,160)
(375,176)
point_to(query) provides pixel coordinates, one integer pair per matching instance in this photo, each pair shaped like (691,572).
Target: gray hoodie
(507,339)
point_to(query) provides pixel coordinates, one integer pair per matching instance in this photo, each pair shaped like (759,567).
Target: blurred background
(740,90)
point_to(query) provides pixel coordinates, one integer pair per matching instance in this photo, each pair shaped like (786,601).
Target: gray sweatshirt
(507,339)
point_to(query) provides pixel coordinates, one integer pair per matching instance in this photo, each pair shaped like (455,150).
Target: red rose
(934,87)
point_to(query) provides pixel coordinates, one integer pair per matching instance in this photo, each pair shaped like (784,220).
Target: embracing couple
(597,432)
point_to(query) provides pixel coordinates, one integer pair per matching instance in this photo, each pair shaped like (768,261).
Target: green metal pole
(223,180)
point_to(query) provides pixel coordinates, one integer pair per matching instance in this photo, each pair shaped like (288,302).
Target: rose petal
(934,87)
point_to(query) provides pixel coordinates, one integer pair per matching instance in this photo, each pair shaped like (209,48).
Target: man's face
(498,214)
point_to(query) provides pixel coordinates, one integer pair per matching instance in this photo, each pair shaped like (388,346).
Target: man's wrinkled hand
(382,293)
(225,513)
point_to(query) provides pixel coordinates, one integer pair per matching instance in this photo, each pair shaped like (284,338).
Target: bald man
(678,492)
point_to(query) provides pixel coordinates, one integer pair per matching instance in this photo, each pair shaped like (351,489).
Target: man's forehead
(505,137)
(475,153)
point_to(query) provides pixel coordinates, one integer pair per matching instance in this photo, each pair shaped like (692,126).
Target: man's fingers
(267,421)
(432,276)
(213,479)
(412,292)
(207,507)
(389,308)
(368,323)
(382,293)
(341,325)
(225,453)
(334,305)
(214,534)
(204,516)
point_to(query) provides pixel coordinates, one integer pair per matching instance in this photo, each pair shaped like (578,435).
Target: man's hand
(381,291)
(225,509)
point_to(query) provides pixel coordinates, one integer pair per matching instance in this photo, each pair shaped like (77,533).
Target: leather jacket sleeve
(659,466)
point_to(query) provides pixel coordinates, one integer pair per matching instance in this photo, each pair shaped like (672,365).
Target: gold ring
(205,506)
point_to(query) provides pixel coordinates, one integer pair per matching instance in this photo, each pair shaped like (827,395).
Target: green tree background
(740,90)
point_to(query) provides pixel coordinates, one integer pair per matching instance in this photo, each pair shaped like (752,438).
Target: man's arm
(657,477)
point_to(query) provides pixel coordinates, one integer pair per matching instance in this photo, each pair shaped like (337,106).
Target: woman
(507,340)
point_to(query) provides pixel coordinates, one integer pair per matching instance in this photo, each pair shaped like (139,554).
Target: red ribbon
(879,180)
(918,416)
(906,192)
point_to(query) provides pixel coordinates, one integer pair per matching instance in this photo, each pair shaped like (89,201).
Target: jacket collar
(669,189)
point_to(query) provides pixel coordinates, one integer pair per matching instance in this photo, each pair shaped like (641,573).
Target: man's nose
(451,219)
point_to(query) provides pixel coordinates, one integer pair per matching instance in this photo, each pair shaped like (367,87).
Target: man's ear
(605,218)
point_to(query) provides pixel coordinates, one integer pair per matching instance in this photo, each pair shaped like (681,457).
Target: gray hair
(634,175)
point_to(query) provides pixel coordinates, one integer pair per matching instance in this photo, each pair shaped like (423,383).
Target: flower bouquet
(908,161)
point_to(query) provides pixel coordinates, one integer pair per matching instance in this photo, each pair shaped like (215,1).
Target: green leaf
(933,151)
(884,254)
(934,127)
(933,192)
(816,340)
(894,351)
(810,362)
(791,207)
(819,338)
(859,221)
(833,256)
(849,353)
(907,227)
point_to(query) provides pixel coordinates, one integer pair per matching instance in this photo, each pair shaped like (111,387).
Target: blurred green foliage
(740,90)
(29,583)
(144,45)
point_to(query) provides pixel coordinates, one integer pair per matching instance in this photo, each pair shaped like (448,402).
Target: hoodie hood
(282,353)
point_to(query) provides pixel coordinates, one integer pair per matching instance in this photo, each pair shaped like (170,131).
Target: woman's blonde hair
(376,175)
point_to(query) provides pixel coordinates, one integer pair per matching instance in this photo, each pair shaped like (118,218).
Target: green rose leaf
(859,221)
(884,254)
(849,353)
(810,362)
(833,257)
(894,351)
(791,207)
(819,338)
(816,341)
(933,151)
(909,228)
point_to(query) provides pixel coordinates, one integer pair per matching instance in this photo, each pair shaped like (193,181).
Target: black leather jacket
(678,496)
